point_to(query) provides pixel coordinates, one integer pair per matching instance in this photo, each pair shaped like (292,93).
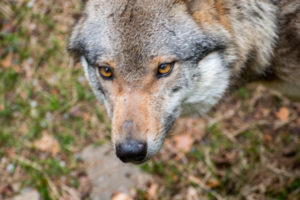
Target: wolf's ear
(196,5)
(75,45)
(192,4)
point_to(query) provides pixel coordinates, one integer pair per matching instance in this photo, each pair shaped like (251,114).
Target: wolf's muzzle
(131,150)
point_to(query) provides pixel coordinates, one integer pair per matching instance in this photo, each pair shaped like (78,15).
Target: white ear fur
(85,65)
(212,84)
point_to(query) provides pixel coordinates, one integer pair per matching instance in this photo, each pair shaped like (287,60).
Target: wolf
(150,61)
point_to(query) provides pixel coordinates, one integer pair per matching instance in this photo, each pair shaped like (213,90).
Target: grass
(43,92)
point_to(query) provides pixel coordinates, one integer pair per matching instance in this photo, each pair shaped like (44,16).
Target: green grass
(40,87)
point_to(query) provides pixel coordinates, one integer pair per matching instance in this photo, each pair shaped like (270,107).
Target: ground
(248,147)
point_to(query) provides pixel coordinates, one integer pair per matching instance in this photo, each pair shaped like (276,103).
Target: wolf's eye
(165,69)
(105,72)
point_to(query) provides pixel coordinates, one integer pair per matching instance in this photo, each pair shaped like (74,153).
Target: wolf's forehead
(118,6)
(134,32)
(141,37)
(130,31)
(130,23)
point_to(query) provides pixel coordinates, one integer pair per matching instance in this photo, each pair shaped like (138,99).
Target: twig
(277,125)
(73,194)
(258,93)
(280,124)
(200,183)
(6,10)
(197,181)
(281,172)
(37,167)
(227,115)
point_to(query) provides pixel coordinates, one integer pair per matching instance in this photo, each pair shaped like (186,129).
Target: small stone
(33,104)
(28,195)
(10,168)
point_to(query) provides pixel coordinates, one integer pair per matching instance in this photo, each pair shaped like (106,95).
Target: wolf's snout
(129,137)
(131,150)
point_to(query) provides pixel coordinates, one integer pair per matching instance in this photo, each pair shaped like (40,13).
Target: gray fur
(211,54)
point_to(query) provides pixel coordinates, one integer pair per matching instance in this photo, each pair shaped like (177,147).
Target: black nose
(132,151)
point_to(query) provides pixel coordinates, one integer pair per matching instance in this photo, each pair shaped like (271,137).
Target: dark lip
(143,161)
(138,162)
(134,162)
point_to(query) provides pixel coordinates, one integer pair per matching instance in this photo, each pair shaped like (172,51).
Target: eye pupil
(106,69)
(165,69)
(163,66)
(105,72)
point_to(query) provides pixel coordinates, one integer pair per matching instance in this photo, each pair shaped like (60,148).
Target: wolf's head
(146,60)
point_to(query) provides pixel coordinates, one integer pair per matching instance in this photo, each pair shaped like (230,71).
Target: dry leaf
(85,186)
(213,183)
(6,62)
(6,190)
(224,158)
(152,192)
(17,68)
(183,142)
(192,194)
(86,117)
(265,112)
(48,144)
(268,137)
(76,111)
(290,150)
(23,95)
(23,128)
(121,196)
(55,91)
(70,193)
(283,114)
(2,106)
(191,126)
(94,121)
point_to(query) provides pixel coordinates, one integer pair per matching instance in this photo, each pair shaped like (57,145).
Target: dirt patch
(108,175)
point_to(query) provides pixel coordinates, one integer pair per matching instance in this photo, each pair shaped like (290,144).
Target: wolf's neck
(254,29)
(251,25)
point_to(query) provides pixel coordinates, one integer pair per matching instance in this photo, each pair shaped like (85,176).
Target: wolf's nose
(132,151)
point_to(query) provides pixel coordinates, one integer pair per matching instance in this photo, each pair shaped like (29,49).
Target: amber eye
(105,72)
(165,69)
